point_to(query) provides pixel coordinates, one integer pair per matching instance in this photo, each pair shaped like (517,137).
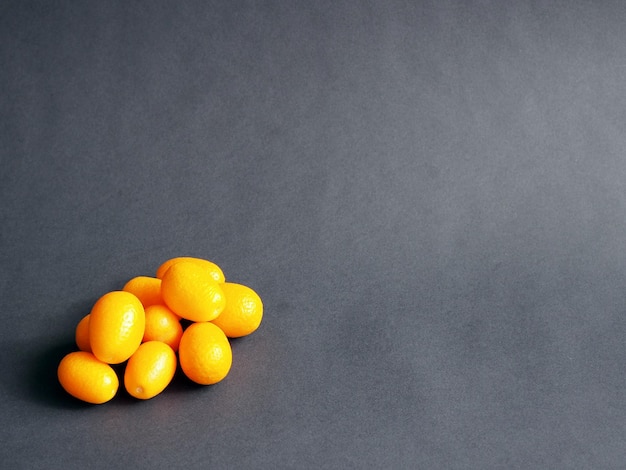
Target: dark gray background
(428,196)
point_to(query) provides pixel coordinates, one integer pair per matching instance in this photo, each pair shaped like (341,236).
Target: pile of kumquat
(183,316)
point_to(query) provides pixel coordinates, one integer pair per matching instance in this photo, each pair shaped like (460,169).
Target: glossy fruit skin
(149,370)
(146,289)
(162,325)
(85,377)
(204,353)
(82,334)
(116,326)
(190,292)
(243,312)
(213,269)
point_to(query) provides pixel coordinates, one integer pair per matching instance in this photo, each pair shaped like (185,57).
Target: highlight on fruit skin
(85,377)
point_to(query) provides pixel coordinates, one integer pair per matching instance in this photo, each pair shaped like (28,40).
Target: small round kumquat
(82,334)
(213,269)
(204,353)
(162,325)
(146,289)
(116,326)
(149,370)
(85,377)
(190,292)
(243,312)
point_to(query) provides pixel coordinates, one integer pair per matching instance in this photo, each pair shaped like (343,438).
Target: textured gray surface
(428,196)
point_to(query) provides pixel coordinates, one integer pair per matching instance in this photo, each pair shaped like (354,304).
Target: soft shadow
(40,377)
(181,384)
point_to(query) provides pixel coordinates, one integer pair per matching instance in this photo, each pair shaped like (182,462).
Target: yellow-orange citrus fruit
(243,312)
(85,377)
(149,370)
(116,326)
(213,269)
(204,353)
(146,289)
(162,325)
(82,334)
(191,292)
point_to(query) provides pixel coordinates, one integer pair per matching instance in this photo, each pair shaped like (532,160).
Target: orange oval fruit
(149,370)
(213,269)
(85,377)
(82,334)
(116,326)
(243,312)
(204,353)
(190,292)
(162,325)
(146,289)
